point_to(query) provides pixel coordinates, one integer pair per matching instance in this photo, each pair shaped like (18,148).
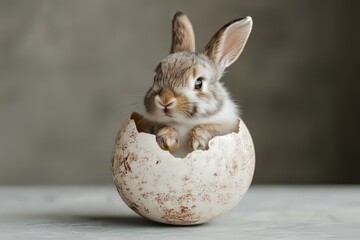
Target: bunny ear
(228,43)
(183,38)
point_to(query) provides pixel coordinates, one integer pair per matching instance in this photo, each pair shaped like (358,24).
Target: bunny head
(187,87)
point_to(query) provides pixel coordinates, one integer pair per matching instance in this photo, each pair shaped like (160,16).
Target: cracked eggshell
(182,191)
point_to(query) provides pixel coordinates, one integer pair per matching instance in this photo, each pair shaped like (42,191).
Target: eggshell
(182,191)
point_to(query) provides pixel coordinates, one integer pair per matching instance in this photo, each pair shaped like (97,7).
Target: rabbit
(187,103)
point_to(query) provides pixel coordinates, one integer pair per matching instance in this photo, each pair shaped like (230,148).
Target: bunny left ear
(228,43)
(183,38)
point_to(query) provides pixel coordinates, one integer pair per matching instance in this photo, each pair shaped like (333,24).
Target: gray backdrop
(71,70)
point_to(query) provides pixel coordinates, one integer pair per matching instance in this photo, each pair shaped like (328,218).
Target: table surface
(266,212)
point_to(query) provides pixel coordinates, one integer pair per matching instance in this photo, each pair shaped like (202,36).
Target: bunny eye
(198,83)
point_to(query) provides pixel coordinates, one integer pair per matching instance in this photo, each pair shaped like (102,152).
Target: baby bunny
(187,103)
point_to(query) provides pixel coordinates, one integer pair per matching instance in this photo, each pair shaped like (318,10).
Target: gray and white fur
(187,102)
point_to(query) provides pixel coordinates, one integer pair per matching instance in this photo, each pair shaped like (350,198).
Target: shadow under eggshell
(182,191)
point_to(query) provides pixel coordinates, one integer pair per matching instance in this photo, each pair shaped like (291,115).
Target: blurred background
(70,71)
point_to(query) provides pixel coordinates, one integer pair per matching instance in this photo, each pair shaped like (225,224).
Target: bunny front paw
(168,139)
(199,138)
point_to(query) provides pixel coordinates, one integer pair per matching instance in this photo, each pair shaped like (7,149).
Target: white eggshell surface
(182,191)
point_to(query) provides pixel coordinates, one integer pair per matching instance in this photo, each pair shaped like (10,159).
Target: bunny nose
(170,104)
(167,105)
(166,98)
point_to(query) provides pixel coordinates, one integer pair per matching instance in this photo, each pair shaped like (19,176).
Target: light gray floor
(266,212)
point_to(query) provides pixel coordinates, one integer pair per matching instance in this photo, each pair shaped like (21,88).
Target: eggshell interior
(182,191)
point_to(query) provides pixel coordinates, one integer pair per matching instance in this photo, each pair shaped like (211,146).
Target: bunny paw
(199,139)
(168,139)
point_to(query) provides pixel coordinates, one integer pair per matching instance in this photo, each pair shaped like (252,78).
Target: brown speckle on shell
(183,215)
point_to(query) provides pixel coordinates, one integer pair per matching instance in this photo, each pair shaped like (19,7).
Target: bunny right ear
(183,38)
(228,43)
